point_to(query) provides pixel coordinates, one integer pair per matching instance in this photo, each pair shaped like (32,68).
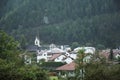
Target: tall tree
(10,62)
(80,65)
(8,47)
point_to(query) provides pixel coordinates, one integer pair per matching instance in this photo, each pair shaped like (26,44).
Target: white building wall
(87,49)
(68,60)
(42,56)
(60,58)
(117,56)
(74,56)
(87,59)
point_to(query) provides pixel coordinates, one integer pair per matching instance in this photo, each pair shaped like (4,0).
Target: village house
(67,57)
(70,68)
(106,53)
(87,49)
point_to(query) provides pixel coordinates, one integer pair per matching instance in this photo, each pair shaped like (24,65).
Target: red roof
(106,53)
(54,56)
(67,67)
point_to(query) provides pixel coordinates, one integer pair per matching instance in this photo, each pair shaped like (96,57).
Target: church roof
(32,48)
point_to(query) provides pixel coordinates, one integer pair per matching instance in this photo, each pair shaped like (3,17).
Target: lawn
(53,78)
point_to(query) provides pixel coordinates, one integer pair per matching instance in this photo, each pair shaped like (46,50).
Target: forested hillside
(87,22)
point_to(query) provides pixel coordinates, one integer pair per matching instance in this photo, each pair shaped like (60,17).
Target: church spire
(37,42)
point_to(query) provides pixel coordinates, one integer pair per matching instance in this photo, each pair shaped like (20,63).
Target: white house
(27,59)
(42,55)
(73,55)
(117,56)
(60,58)
(87,49)
(68,60)
(49,54)
(63,58)
(90,50)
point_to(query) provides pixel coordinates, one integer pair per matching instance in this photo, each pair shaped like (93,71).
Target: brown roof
(106,53)
(54,56)
(67,67)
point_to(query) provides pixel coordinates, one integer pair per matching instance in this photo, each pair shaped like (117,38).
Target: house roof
(116,51)
(67,67)
(32,48)
(56,50)
(54,56)
(106,53)
(87,49)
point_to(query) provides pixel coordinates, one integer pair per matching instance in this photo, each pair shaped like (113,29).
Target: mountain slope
(63,21)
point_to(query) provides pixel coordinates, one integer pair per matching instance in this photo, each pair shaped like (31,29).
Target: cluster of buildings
(63,53)
(56,53)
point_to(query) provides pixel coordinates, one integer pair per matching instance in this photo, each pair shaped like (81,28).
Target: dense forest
(86,22)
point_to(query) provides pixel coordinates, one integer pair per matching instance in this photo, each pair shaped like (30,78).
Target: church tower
(37,42)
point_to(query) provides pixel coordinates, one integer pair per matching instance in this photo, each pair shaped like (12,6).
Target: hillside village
(58,53)
(64,54)
(59,39)
(59,62)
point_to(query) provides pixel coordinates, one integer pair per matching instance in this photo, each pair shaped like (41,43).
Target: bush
(102,72)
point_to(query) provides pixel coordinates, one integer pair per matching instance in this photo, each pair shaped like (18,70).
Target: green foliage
(11,65)
(80,65)
(102,72)
(97,69)
(31,72)
(51,65)
(54,64)
(100,46)
(7,42)
(11,71)
(23,42)
(53,78)
(8,47)
(75,45)
(111,54)
(83,21)
(8,71)
(118,59)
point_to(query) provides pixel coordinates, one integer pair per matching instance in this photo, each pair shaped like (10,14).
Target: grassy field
(53,78)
